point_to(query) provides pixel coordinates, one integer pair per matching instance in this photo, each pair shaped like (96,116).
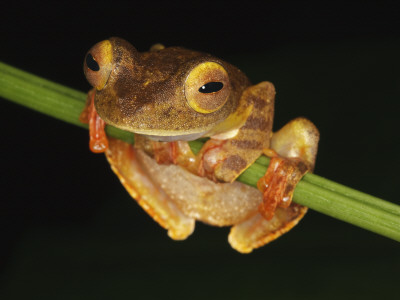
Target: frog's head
(168,93)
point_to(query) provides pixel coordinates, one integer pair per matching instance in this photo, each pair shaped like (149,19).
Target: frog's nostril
(91,63)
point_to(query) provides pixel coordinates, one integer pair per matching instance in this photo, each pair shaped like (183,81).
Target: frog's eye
(98,64)
(207,87)
(91,63)
(211,87)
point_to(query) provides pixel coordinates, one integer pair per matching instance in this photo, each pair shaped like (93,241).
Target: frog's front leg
(98,142)
(293,154)
(225,159)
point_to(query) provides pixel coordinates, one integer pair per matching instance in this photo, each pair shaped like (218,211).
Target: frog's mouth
(160,135)
(170,138)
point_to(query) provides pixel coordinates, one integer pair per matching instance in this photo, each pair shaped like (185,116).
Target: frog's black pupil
(211,87)
(91,63)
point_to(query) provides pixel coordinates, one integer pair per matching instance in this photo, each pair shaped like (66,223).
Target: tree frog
(169,96)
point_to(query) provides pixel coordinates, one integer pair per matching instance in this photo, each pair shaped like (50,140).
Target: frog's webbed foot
(209,158)
(98,142)
(179,153)
(165,153)
(257,231)
(296,147)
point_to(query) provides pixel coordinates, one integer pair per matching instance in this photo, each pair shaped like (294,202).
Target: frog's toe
(257,231)
(156,47)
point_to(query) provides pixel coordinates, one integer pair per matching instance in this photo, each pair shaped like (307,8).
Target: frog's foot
(257,231)
(279,182)
(177,153)
(165,152)
(204,164)
(136,179)
(98,142)
(209,158)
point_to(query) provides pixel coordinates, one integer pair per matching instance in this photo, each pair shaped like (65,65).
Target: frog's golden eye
(207,87)
(98,64)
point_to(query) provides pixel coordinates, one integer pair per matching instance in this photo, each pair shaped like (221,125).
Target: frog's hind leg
(150,196)
(257,231)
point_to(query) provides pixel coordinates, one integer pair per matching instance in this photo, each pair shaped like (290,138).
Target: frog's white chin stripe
(183,137)
(192,136)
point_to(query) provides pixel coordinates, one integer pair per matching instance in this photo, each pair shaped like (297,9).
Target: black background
(69,231)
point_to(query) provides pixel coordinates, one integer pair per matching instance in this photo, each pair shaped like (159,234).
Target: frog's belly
(219,204)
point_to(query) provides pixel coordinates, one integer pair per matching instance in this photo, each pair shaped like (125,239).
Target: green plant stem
(317,193)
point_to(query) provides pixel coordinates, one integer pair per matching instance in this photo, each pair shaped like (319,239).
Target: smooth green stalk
(317,193)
